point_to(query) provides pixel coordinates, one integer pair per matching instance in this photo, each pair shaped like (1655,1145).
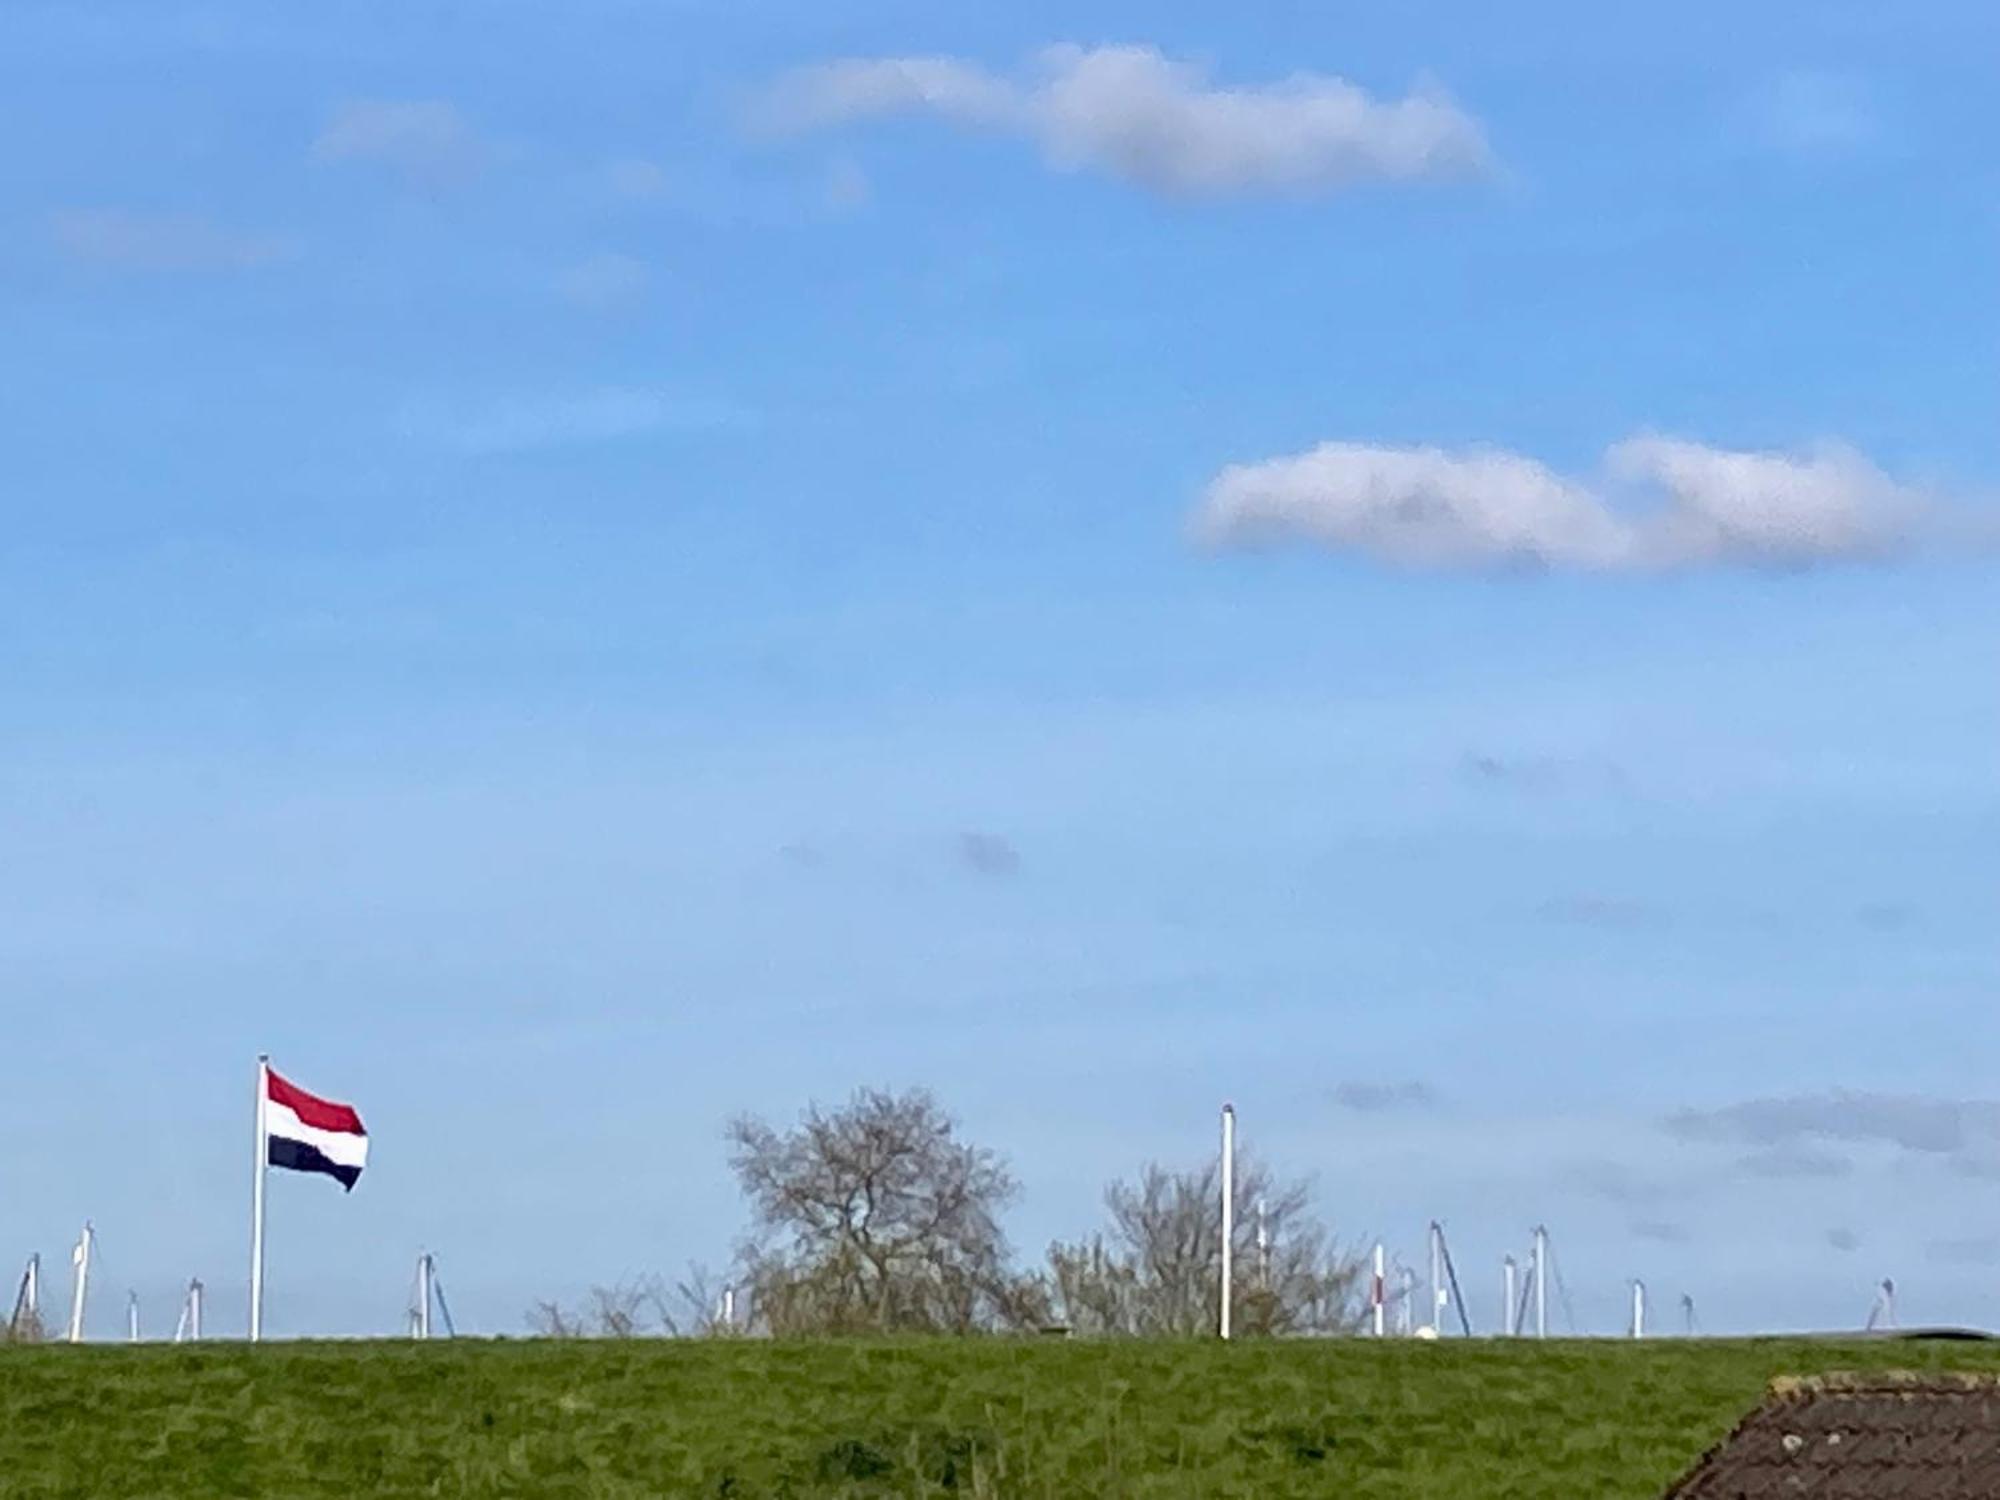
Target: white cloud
(1148,119)
(129,241)
(1660,503)
(518,423)
(604,283)
(427,141)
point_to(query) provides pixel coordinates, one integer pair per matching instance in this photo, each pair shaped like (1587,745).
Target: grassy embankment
(999,1418)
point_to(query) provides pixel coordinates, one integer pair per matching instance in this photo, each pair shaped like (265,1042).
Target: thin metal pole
(424,1307)
(1228,1209)
(195,1293)
(132,1317)
(1378,1293)
(1638,1309)
(33,1296)
(257,1204)
(1507,1311)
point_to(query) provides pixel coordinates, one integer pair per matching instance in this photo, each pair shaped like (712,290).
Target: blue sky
(571,572)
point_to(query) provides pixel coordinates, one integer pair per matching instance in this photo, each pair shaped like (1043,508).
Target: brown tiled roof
(1860,1437)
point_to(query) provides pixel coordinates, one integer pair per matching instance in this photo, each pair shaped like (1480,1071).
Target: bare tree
(876,1217)
(1158,1268)
(624,1310)
(551,1320)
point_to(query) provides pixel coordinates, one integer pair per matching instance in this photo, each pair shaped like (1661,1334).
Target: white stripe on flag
(337,1146)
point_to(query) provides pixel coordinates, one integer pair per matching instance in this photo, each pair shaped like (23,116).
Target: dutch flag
(309,1134)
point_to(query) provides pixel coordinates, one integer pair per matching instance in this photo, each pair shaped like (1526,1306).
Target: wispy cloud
(987,854)
(425,141)
(1135,114)
(635,178)
(125,240)
(1973,1250)
(1907,1121)
(847,187)
(518,423)
(1659,503)
(1843,1239)
(1795,1159)
(1541,773)
(1605,913)
(1613,1182)
(604,283)
(1811,112)
(1660,1231)
(1383,1098)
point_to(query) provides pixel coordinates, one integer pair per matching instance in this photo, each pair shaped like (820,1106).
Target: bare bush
(639,1307)
(1157,1269)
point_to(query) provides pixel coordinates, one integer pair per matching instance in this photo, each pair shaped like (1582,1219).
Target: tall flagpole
(1228,1212)
(257,1204)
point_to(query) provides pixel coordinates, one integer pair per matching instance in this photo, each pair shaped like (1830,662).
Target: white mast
(729,1308)
(1883,1313)
(1406,1308)
(80,1259)
(1638,1308)
(1541,1282)
(1376,1294)
(26,1321)
(257,1203)
(424,1274)
(1687,1313)
(132,1317)
(187,1327)
(1228,1208)
(1508,1308)
(1437,1279)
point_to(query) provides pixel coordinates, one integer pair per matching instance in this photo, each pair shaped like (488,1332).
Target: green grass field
(1045,1419)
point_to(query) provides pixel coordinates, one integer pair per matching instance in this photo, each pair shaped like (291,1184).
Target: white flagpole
(1228,1209)
(257,1204)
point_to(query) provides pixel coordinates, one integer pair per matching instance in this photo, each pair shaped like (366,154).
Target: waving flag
(309,1134)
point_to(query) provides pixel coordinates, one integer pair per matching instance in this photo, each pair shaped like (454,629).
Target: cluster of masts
(1524,1289)
(25,1321)
(1524,1293)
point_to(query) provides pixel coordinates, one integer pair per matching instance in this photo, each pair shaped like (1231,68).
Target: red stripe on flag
(321,1114)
